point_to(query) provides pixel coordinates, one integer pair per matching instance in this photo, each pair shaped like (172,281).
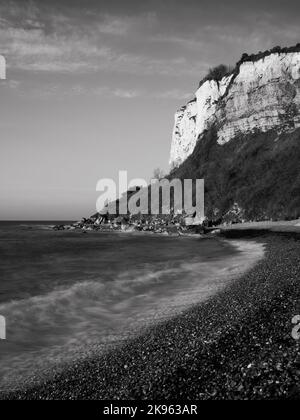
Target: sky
(92,87)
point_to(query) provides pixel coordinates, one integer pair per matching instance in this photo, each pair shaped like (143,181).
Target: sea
(66,295)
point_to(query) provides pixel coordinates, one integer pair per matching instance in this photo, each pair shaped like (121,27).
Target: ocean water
(67,294)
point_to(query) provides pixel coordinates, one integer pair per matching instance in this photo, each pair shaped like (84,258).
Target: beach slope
(236,345)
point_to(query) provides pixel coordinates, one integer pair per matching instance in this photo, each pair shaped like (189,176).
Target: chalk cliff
(262,93)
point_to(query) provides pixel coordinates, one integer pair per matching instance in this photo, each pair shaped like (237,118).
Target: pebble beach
(236,345)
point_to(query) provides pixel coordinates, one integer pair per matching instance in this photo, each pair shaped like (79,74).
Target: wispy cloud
(127,94)
(39,38)
(58,43)
(34,50)
(192,42)
(173,94)
(63,90)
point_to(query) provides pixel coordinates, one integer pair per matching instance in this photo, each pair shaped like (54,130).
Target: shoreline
(206,279)
(237,344)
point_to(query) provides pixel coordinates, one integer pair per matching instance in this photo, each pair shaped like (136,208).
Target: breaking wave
(49,330)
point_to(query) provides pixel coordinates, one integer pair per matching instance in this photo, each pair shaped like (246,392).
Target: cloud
(61,44)
(113,25)
(127,94)
(10,84)
(61,90)
(173,94)
(168,94)
(33,50)
(13,84)
(38,37)
(192,42)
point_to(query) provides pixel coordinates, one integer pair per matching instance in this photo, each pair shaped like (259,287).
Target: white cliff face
(184,133)
(208,96)
(192,119)
(262,95)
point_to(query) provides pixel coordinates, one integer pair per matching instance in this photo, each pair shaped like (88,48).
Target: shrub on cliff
(158,174)
(262,54)
(216,73)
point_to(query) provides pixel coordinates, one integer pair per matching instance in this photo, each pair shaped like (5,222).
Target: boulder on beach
(59,227)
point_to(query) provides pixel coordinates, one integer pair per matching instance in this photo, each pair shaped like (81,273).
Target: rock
(59,227)
(189,221)
(216,232)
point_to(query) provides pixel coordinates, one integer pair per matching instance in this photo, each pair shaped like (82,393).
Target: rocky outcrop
(262,93)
